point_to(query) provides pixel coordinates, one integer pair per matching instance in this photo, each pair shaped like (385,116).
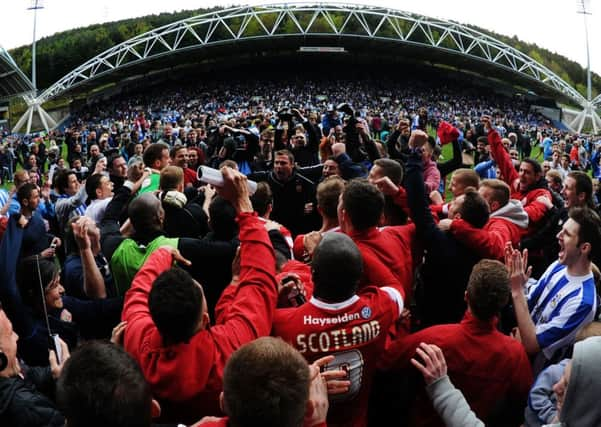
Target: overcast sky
(553,24)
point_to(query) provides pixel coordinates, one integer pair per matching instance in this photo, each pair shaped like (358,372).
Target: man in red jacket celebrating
(508,222)
(387,252)
(168,324)
(490,369)
(527,186)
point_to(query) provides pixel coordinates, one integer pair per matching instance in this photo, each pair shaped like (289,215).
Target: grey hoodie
(513,212)
(581,405)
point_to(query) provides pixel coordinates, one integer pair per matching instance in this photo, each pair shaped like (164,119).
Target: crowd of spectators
(405,285)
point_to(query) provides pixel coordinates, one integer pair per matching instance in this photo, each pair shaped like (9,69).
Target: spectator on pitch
(99,189)
(551,311)
(447,262)
(156,158)
(351,323)
(527,185)
(117,169)
(503,370)
(166,306)
(253,377)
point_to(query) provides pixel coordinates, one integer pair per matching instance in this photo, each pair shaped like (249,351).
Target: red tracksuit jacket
(187,377)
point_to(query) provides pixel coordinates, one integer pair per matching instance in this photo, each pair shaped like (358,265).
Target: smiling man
(527,185)
(564,299)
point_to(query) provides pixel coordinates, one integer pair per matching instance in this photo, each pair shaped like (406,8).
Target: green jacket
(130,257)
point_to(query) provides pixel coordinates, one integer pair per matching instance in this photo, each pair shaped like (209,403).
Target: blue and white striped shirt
(560,304)
(4,196)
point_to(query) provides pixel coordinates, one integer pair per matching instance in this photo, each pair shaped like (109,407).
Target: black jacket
(25,402)
(290,197)
(447,265)
(186,221)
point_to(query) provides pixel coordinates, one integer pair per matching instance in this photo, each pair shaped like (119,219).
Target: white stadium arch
(314,20)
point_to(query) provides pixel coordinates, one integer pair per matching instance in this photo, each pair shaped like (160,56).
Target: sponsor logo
(334,320)
(366,312)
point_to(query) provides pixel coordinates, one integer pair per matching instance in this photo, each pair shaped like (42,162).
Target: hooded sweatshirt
(507,224)
(581,407)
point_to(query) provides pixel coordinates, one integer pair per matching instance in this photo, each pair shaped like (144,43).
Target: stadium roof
(12,80)
(273,30)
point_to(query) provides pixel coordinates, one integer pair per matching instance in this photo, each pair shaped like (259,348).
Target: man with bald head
(340,321)
(168,323)
(143,233)
(146,215)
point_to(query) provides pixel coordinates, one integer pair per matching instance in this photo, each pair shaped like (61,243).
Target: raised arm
(312,130)
(93,282)
(518,272)
(10,247)
(110,232)
(416,197)
(348,168)
(499,154)
(251,313)
(449,166)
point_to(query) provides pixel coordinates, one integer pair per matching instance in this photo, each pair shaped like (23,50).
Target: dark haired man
(167,332)
(117,168)
(578,190)
(101,385)
(394,214)
(99,189)
(339,321)
(528,185)
(387,252)
(508,222)
(156,157)
(551,311)
(293,192)
(36,240)
(262,201)
(71,197)
(500,374)
(268,383)
(179,157)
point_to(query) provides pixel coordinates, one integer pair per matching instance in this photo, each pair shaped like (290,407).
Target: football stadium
(295,215)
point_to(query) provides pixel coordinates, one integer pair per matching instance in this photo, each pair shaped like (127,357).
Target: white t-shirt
(97,208)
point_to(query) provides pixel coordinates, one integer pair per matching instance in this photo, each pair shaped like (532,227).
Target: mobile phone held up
(55,344)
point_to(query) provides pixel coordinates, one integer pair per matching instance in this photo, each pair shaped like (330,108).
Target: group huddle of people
(330,275)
